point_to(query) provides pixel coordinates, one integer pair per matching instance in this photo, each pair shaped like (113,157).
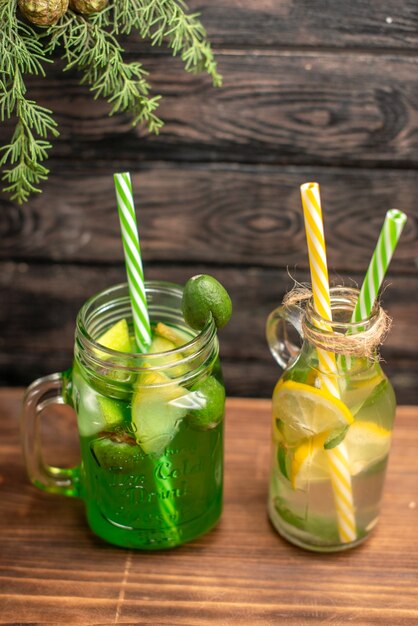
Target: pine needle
(97,54)
(89,44)
(21,53)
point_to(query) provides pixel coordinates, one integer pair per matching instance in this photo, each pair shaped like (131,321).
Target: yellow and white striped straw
(337,457)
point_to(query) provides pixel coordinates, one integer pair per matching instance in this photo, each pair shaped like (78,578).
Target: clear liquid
(306,514)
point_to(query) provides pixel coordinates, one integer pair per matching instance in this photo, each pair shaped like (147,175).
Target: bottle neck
(343,336)
(344,364)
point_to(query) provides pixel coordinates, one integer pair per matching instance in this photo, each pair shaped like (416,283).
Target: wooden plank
(41,302)
(310,23)
(300,107)
(214,214)
(53,570)
(281,24)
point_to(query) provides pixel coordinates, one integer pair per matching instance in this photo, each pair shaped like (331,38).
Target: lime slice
(203,295)
(117,456)
(117,337)
(210,396)
(155,415)
(161,344)
(301,412)
(95,411)
(366,443)
(112,410)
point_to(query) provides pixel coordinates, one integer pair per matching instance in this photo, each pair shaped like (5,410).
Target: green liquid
(166,488)
(160,502)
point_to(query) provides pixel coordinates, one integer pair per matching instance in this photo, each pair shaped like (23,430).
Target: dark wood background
(313,90)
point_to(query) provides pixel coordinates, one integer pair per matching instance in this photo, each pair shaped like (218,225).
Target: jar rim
(100,354)
(341,296)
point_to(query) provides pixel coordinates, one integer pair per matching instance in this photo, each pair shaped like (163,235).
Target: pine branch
(27,150)
(164,21)
(96,52)
(90,45)
(21,53)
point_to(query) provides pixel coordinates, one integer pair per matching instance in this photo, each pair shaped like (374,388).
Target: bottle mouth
(343,302)
(104,309)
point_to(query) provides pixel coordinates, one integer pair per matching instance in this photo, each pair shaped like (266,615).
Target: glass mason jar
(311,497)
(150,426)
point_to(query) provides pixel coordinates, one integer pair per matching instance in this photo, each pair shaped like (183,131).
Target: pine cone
(43,12)
(85,7)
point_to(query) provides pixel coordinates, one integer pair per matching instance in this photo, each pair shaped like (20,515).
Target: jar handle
(277,333)
(41,394)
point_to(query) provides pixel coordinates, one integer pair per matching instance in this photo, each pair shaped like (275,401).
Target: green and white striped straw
(142,328)
(133,262)
(388,239)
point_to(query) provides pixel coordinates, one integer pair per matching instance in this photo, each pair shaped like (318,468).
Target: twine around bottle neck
(358,339)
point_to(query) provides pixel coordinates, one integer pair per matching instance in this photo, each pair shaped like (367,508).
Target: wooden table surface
(54,571)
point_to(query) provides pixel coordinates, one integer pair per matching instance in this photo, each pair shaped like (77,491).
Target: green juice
(157,502)
(150,404)
(152,452)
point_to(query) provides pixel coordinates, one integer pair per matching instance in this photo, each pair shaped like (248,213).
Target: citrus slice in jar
(157,411)
(301,412)
(117,338)
(210,396)
(366,443)
(168,358)
(309,462)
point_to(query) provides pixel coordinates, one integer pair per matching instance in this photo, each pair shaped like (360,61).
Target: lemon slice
(309,462)
(366,443)
(301,412)
(170,334)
